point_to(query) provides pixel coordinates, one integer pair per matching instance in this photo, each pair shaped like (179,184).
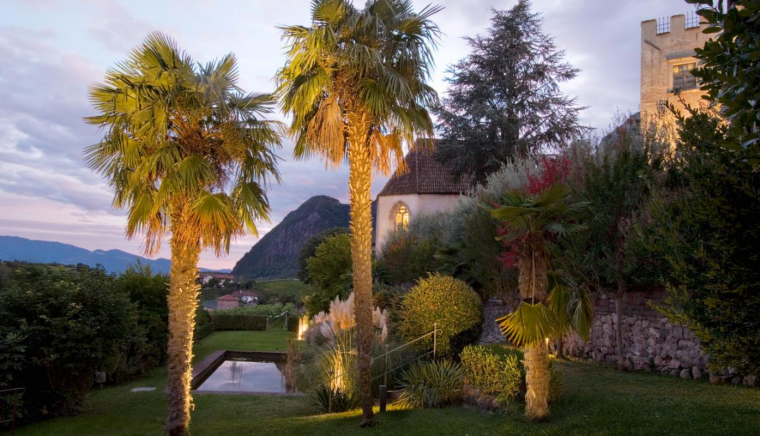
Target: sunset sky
(51,50)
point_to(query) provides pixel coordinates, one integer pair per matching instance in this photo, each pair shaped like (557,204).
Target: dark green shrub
(407,257)
(499,372)
(293,322)
(431,384)
(309,250)
(203,330)
(70,323)
(223,321)
(148,292)
(444,300)
(274,309)
(330,273)
(329,401)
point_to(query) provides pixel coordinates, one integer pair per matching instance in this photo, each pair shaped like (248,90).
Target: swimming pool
(242,373)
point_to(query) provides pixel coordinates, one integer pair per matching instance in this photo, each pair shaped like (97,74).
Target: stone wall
(650,341)
(493,309)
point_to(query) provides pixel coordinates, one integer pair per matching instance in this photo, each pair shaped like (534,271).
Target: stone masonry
(650,341)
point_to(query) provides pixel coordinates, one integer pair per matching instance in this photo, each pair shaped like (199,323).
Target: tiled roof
(424,175)
(227,298)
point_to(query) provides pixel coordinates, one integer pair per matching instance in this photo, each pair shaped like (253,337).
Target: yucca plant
(549,306)
(187,152)
(355,86)
(431,384)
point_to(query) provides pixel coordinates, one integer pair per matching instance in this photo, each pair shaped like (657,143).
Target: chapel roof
(424,175)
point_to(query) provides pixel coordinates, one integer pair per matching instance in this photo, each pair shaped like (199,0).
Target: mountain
(275,256)
(114,261)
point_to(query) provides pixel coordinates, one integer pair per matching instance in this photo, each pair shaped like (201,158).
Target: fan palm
(355,86)
(186,152)
(549,306)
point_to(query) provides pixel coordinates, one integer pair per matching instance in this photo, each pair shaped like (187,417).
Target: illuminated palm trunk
(183,301)
(533,283)
(537,381)
(360,182)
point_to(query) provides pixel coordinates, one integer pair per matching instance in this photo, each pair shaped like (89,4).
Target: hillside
(275,256)
(114,261)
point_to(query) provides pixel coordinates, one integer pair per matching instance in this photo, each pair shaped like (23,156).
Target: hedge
(204,330)
(293,323)
(238,322)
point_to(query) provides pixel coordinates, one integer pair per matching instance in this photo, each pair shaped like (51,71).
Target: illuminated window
(682,77)
(402,217)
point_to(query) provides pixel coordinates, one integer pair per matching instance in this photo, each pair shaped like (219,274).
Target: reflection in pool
(246,376)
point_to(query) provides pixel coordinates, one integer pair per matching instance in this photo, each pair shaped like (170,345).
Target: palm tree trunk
(533,285)
(360,182)
(183,300)
(537,382)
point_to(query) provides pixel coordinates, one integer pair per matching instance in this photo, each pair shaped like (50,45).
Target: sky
(52,50)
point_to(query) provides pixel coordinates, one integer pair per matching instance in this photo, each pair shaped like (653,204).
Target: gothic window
(682,77)
(402,217)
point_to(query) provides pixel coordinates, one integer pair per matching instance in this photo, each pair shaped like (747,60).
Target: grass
(292,287)
(598,401)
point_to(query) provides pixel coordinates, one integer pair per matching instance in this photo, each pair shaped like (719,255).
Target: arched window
(402,217)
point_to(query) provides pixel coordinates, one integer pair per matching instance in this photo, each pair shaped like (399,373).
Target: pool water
(246,376)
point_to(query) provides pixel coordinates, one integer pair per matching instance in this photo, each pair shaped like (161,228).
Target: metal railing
(692,20)
(4,394)
(384,375)
(272,318)
(663,25)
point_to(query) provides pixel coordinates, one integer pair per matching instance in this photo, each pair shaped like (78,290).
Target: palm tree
(355,86)
(186,152)
(549,307)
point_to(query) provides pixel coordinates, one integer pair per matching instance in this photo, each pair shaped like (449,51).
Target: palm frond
(529,324)
(177,133)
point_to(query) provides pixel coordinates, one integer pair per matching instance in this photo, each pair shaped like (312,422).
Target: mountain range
(275,255)
(114,261)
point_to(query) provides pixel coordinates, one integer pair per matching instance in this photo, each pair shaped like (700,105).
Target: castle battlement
(668,27)
(667,57)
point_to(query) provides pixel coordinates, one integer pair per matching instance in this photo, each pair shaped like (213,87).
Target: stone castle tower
(667,56)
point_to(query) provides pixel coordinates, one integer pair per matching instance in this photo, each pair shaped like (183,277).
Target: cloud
(117,28)
(52,51)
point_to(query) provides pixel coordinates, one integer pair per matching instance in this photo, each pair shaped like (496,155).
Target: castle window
(402,217)
(682,77)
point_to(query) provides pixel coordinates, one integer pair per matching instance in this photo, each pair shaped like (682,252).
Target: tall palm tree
(549,307)
(355,86)
(186,152)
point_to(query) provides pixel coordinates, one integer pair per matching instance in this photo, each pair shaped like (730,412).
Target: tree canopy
(504,98)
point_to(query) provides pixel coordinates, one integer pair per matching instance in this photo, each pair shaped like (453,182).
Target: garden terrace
(597,401)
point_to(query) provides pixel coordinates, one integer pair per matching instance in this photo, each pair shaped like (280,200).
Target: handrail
(271,318)
(402,365)
(408,343)
(287,312)
(433,352)
(12,419)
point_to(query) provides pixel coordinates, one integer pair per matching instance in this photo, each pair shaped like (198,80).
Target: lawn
(598,401)
(293,287)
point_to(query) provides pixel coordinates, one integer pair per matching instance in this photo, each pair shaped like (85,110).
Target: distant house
(247,297)
(206,277)
(227,302)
